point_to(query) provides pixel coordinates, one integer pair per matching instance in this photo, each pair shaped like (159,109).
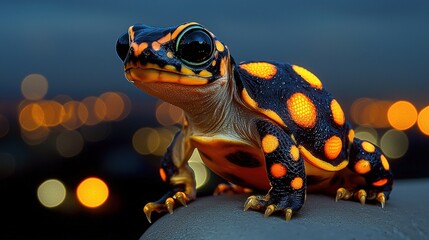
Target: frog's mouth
(152,73)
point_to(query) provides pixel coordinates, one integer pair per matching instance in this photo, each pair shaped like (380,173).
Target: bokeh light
(168,114)
(200,170)
(165,138)
(402,115)
(146,140)
(76,114)
(36,136)
(92,192)
(31,117)
(34,87)
(115,105)
(97,110)
(4,126)
(51,193)
(367,133)
(69,143)
(7,165)
(53,113)
(394,143)
(370,112)
(423,120)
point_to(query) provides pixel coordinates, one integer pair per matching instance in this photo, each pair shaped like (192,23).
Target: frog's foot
(166,204)
(230,189)
(288,204)
(362,195)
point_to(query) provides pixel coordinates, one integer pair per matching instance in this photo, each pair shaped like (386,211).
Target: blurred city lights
(69,143)
(75,115)
(394,143)
(51,193)
(53,113)
(92,192)
(97,110)
(146,140)
(34,87)
(370,112)
(168,114)
(36,136)
(367,133)
(115,105)
(200,170)
(402,115)
(4,126)
(7,165)
(165,138)
(423,120)
(31,117)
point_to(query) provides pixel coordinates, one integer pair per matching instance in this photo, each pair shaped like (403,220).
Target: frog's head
(175,62)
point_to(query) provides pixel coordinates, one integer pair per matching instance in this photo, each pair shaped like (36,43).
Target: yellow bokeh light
(31,117)
(394,143)
(53,113)
(367,133)
(69,143)
(146,141)
(370,112)
(92,192)
(402,115)
(97,110)
(165,137)
(168,114)
(200,170)
(51,193)
(423,120)
(114,105)
(4,126)
(75,115)
(34,87)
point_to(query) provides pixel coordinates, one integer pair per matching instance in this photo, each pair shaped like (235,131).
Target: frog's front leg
(176,172)
(368,161)
(285,168)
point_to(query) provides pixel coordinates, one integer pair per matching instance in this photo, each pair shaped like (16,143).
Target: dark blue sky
(367,48)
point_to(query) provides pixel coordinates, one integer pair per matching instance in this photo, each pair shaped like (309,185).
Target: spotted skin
(285,170)
(268,126)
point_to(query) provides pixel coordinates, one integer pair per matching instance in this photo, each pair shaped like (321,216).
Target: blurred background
(80,146)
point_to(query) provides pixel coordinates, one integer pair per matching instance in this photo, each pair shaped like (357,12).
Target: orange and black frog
(267,126)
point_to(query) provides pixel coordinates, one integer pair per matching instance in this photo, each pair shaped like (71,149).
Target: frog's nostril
(123,46)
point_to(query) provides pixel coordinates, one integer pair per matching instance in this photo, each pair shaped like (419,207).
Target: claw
(342,193)
(250,202)
(361,194)
(147,211)
(382,199)
(270,209)
(169,203)
(181,197)
(288,214)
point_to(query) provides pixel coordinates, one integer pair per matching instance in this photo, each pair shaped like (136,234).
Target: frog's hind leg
(285,168)
(368,161)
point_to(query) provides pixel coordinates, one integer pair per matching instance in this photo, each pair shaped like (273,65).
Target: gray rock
(406,216)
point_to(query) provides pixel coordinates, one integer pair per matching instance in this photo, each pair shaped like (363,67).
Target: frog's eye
(194,46)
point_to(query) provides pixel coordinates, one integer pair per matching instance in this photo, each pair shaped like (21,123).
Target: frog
(262,125)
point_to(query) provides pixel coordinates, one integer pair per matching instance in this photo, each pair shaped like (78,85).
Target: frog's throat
(152,73)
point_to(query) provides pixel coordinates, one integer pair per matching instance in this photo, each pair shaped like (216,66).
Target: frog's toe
(361,195)
(259,202)
(230,189)
(165,206)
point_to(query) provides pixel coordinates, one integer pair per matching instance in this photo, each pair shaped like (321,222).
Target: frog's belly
(239,163)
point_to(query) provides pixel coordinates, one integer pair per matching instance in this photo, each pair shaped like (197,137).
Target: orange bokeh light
(423,120)
(114,105)
(92,192)
(402,115)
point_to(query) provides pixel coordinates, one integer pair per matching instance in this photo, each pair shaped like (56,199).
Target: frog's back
(295,99)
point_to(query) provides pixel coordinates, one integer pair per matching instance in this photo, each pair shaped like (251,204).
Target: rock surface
(406,216)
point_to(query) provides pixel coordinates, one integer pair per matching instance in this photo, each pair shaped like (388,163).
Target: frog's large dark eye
(194,46)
